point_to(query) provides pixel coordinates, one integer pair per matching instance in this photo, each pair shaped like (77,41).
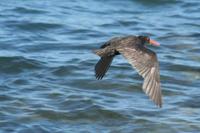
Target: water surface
(47,81)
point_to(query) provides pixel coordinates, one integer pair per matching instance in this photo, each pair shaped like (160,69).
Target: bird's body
(142,59)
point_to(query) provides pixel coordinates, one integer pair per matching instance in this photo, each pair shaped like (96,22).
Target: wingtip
(98,77)
(159,105)
(156,100)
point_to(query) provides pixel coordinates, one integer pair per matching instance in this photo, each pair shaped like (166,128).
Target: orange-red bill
(152,42)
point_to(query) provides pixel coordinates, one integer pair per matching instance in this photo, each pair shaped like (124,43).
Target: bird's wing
(102,66)
(145,62)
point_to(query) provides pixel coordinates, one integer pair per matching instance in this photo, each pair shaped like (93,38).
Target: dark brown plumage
(142,59)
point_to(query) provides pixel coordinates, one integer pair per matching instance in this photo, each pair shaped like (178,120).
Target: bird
(134,49)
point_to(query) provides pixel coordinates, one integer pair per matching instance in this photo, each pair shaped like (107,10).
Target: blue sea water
(47,82)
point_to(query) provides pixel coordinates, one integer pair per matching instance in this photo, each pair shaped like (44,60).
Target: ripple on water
(47,81)
(17,64)
(25,10)
(35,129)
(91,113)
(192,102)
(32,26)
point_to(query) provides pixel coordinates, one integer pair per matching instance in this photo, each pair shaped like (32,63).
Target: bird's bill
(154,43)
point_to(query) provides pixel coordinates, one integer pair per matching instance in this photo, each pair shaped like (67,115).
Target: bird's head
(146,39)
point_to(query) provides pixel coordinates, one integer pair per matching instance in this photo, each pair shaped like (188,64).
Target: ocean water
(47,82)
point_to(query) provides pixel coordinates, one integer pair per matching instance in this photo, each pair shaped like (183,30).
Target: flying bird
(144,60)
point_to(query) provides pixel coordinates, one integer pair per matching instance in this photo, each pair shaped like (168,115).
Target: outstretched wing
(145,62)
(102,66)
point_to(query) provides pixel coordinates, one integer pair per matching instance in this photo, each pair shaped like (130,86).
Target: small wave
(128,23)
(64,70)
(44,46)
(195,50)
(179,67)
(4,97)
(34,129)
(157,2)
(33,26)
(92,113)
(192,102)
(25,10)
(17,64)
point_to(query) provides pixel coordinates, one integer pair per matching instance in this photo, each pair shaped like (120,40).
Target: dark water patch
(194,50)
(83,37)
(195,25)
(67,48)
(28,10)
(189,4)
(128,12)
(9,126)
(91,113)
(192,102)
(181,90)
(142,120)
(109,25)
(94,84)
(157,2)
(63,71)
(76,104)
(85,63)
(146,113)
(193,10)
(128,23)
(32,26)
(45,46)
(184,17)
(180,47)
(180,80)
(81,31)
(171,39)
(184,68)
(21,82)
(17,64)
(82,34)
(85,46)
(38,26)
(195,34)
(8,44)
(171,91)
(36,38)
(110,95)
(4,97)
(172,57)
(54,95)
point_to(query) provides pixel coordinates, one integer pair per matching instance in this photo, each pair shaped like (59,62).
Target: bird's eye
(147,39)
